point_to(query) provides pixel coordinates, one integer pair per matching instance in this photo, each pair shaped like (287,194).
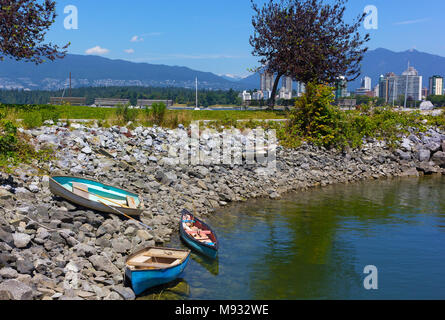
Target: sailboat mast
(196,92)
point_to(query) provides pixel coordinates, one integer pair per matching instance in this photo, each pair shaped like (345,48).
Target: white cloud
(97,50)
(140,38)
(412,21)
(130,51)
(136,39)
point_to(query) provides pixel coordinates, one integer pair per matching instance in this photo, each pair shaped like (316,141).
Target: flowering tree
(307,40)
(23,25)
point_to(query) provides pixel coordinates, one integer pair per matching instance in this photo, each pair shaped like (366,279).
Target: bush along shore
(51,249)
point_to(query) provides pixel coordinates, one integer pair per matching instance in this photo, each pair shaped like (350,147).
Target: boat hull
(208,251)
(142,280)
(57,189)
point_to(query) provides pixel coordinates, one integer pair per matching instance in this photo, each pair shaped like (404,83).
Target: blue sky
(210,35)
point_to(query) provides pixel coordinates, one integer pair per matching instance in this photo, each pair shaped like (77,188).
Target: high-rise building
(377,91)
(341,88)
(436,86)
(367,83)
(408,86)
(301,88)
(267,80)
(246,96)
(288,85)
(258,95)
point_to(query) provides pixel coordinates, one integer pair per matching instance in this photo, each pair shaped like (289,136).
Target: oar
(125,215)
(119,204)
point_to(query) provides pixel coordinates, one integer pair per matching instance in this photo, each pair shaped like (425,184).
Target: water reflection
(176,290)
(315,244)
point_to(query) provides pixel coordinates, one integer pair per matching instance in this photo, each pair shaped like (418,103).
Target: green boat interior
(98,192)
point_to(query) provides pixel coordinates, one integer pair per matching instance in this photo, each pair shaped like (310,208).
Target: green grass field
(94,113)
(34,116)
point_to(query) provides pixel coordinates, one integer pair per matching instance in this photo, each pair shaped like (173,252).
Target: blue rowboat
(89,194)
(154,266)
(198,235)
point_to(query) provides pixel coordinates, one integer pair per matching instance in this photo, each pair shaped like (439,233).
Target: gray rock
(84,250)
(21,240)
(424,155)
(433,146)
(87,150)
(144,235)
(6,295)
(439,158)
(113,296)
(6,236)
(8,273)
(403,155)
(166,178)
(25,266)
(125,293)
(121,245)
(17,289)
(101,263)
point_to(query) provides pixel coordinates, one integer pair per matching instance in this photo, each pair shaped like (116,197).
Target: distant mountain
(94,71)
(98,71)
(381,61)
(231,77)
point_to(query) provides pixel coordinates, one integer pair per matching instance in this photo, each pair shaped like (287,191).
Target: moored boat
(198,235)
(154,266)
(95,195)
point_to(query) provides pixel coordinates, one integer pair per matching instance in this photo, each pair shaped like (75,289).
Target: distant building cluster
(407,86)
(267,81)
(395,89)
(392,88)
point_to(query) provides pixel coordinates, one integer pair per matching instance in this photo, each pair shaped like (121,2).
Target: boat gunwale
(159,269)
(136,211)
(202,244)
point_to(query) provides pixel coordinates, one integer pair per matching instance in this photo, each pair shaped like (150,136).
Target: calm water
(315,245)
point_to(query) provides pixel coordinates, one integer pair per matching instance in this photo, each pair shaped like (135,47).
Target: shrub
(32,120)
(316,120)
(8,139)
(158,110)
(125,114)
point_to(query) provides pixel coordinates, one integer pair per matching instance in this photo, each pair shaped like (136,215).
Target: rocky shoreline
(53,250)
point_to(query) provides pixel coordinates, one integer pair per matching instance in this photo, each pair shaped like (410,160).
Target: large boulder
(424,155)
(21,240)
(166,178)
(101,263)
(16,289)
(439,158)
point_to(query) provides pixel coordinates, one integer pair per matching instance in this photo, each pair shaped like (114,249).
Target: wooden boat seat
(153,265)
(77,190)
(203,232)
(131,203)
(179,255)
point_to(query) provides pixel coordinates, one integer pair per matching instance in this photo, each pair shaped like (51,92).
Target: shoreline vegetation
(54,250)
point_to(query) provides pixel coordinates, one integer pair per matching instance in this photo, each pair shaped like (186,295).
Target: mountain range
(381,61)
(88,70)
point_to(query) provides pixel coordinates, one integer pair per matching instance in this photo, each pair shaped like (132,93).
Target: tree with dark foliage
(307,40)
(23,25)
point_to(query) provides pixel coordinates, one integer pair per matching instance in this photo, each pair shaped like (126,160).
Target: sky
(213,36)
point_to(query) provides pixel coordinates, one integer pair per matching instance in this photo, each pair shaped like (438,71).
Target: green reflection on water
(315,244)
